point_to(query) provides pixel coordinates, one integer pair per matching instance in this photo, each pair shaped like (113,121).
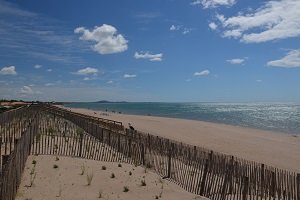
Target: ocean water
(281,117)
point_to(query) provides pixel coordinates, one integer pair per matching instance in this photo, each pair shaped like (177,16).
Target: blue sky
(171,50)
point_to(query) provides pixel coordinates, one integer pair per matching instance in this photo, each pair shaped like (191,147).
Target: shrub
(55,166)
(34,162)
(119,165)
(103,167)
(112,175)
(130,173)
(125,189)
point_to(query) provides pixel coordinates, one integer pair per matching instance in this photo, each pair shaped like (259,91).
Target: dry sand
(67,183)
(271,148)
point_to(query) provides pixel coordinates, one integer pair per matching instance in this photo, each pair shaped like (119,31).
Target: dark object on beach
(131,127)
(95,113)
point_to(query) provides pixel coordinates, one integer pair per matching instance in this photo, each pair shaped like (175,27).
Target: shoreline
(269,147)
(230,123)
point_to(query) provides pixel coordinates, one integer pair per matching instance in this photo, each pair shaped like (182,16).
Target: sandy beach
(68,181)
(271,148)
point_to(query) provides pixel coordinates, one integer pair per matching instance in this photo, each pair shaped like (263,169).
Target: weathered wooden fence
(217,176)
(18,128)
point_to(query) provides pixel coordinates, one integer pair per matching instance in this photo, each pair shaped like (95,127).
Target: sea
(279,117)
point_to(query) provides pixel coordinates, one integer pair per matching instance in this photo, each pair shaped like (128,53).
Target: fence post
(245,188)
(149,142)
(143,154)
(170,159)
(262,181)
(273,185)
(119,142)
(204,178)
(80,144)
(129,143)
(298,186)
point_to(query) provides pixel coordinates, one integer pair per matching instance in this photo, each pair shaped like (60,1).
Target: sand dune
(66,182)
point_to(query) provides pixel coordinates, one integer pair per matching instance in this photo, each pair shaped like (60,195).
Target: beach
(268,147)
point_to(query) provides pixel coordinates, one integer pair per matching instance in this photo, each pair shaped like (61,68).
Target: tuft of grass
(156,197)
(56,159)
(32,178)
(103,167)
(82,167)
(100,194)
(119,165)
(55,166)
(112,175)
(34,162)
(130,173)
(125,189)
(143,182)
(89,178)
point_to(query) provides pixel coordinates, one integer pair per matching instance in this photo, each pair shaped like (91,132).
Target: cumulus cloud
(109,82)
(26,90)
(291,60)
(148,56)
(272,21)
(213,25)
(49,70)
(106,39)
(236,61)
(37,66)
(186,31)
(8,70)
(129,76)
(87,71)
(213,3)
(174,28)
(202,73)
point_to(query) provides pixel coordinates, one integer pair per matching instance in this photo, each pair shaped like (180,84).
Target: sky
(137,50)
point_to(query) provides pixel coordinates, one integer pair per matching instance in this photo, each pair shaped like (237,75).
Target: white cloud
(258,80)
(174,28)
(107,40)
(213,3)
(202,73)
(129,76)
(273,20)
(109,82)
(149,56)
(213,26)
(49,70)
(236,61)
(49,84)
(11,70)
(291,60)
(89,78)
(37,66)
(186,31)
(26,90)
(87,71)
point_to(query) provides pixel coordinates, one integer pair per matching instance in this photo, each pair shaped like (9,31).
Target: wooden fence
(198,170)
